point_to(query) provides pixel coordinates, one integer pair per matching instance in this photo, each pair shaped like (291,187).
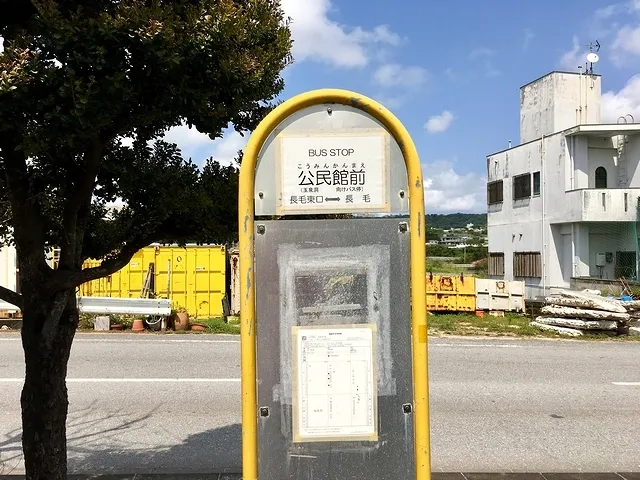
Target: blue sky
(451,72)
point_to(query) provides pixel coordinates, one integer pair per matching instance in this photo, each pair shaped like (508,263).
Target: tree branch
(29,232)
(92,162)
(64,279)
(11,297)
(77,209)
(77,202)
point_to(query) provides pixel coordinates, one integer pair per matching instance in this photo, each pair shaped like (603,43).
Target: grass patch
(86,320)
(438,267)
(218,325)
(598,336)
(463,324)
(468,324)
(511,325)
(212,325)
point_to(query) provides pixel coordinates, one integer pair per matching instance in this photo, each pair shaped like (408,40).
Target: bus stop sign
(333,314)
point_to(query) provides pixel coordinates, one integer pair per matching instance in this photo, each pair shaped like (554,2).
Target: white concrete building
(564,203)
(454,241)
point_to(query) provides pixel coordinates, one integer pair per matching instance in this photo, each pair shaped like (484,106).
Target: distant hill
(456,220)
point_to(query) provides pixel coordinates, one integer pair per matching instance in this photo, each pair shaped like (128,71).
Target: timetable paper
(336,391)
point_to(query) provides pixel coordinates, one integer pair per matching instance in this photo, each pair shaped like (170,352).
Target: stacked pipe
(575,313)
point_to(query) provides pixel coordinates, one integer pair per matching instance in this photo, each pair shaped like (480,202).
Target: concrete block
(102,323)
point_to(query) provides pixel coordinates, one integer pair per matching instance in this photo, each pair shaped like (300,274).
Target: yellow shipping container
(192,278)
(451,293)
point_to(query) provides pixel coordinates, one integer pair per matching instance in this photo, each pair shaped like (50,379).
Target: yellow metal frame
(246,212)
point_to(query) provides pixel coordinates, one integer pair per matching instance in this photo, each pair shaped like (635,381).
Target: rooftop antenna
(592,57)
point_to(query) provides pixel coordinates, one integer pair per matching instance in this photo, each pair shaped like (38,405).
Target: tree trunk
(49,325)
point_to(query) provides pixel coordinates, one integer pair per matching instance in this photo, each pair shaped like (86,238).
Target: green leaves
(77,77)
(137,62)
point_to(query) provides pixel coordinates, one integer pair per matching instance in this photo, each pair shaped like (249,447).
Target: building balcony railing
(602,205)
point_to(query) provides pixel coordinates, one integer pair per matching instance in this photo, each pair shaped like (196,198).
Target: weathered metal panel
(516,296)
(192,277)
(500,295)
(331,272)
(125,283)
(195,276)
(450,293)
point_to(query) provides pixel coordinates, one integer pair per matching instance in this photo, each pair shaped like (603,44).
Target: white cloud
(606,12)
(390,101)
(448,191)
(439,123)
(606,20)
(615,25)
(625,45)
(199,147)
(626,101)
(491,71)
(188,139)
(225,149)
(528,38)
(484,56)
(456,76)
(318,38)
(481,52)
(572,58)
(393,74)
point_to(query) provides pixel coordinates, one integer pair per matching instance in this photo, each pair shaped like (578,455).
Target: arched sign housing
(333,312)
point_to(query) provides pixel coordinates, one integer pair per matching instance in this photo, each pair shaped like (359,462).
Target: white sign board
(335,386)
(343,171)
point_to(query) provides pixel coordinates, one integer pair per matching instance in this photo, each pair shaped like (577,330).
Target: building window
(536,183)
(496,263)
(494,192)
(601,177)
(527,264)
(522,186)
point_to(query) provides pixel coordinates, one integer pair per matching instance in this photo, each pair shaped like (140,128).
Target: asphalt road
(146,404)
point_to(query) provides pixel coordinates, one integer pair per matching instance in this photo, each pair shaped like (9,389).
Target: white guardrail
(7,307)
(106,305)
(125,306)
